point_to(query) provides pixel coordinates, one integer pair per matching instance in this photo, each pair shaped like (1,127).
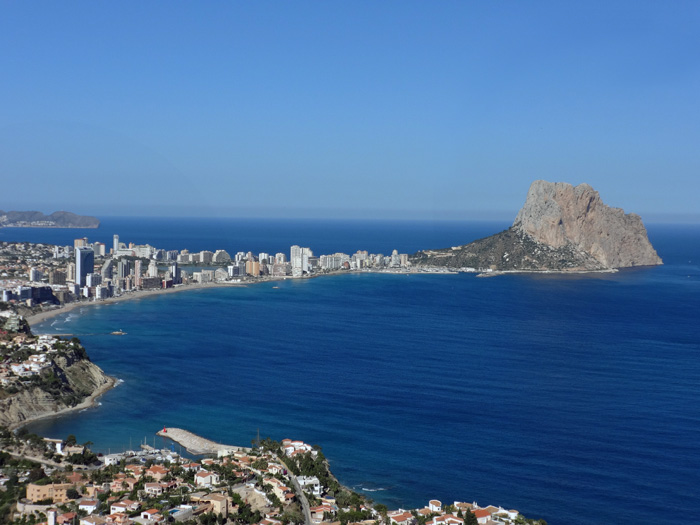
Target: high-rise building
(71,272)
(138,272)
(84,264)
(35,275)
(57,277)
(152,269)
(107,270)
(221,256)
(80,243)
(99,248)
(252,268)
(115,244)
(123,268)
(175,273)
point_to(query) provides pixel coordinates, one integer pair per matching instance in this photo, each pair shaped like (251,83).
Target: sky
(363,109)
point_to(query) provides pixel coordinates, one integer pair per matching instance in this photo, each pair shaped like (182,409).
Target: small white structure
(310,483)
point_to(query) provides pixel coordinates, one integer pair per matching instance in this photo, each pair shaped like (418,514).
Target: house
(88,505)
(131,506)
(482,515)
(68,517)
(459,505)
(134,469)
(153,489)
(75,478)
(118,507)
(446,519)
(403,518)
(311,484)
(121,483)
(152,516)
(157,472)
(292,448)
(93,520)
(435,505)
(274,468)
(119,519)
(218,502)
(55,491)
(318,512)
(206,479)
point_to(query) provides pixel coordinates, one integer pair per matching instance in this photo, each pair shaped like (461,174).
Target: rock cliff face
(558,214)
(560,228)
(76,378)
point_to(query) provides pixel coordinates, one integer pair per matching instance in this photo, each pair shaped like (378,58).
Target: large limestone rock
(558,214)
(560,228)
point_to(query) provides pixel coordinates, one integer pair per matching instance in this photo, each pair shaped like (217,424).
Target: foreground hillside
(42,376)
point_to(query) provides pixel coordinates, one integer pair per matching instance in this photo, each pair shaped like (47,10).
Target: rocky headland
(56,376)
(36,219)
(561,228)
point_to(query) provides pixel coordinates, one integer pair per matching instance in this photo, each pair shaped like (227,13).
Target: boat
(118,332)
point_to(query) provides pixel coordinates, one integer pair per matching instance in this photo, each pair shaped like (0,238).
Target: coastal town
(59,481)
(50,275)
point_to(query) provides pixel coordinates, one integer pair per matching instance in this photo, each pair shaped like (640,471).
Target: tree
(71,493)
(382,510)
(71,440)
(470,518)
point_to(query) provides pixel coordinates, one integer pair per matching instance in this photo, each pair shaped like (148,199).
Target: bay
(571,398)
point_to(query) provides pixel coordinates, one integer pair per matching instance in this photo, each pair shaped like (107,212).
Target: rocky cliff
(69,383)
(560,228)
(558,214)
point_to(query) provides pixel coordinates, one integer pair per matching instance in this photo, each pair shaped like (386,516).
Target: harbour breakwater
(195,444)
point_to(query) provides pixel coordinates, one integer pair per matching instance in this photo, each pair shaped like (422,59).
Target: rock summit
(560,228)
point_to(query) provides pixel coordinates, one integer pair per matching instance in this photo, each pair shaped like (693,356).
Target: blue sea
(571,398)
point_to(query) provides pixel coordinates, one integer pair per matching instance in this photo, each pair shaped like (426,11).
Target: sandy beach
(129,296)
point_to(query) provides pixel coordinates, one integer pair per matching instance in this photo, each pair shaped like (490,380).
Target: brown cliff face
(560,228)
(558,214)
(76,378)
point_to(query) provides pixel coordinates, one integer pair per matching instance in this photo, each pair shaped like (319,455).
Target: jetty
(198,445)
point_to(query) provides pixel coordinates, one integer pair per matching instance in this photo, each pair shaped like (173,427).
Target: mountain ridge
(36,219)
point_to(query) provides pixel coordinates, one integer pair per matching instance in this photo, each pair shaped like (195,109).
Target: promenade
(195,444)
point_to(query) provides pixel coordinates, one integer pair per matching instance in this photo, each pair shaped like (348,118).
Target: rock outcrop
(69,383)
(558,214)
(560,228)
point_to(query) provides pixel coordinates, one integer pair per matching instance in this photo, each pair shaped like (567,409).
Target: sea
(571,398)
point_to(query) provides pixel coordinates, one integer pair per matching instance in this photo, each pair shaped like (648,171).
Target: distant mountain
(560,228)
(36,219)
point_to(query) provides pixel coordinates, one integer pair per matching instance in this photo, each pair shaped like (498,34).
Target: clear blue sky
(370,109)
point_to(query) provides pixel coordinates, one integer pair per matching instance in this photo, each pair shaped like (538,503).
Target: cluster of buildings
(259,478)
(23,357)
(34,274)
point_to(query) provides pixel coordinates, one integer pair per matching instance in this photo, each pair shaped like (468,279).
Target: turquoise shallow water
(570,398)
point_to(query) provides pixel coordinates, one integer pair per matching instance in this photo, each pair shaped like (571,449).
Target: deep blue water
(575,399)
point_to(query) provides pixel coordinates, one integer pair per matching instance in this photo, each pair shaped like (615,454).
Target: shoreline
(40,317)
(89,402)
